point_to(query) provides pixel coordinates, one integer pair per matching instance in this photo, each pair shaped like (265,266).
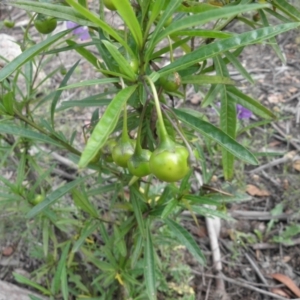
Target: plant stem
(125,137)
(171,49)
(38,128)
(162,128)
(180,132)
(138,147)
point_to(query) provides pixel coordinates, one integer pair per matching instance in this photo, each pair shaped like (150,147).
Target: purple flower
(81,31)
(242,112)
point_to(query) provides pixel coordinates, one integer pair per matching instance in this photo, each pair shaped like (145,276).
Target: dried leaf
(287,281)
(280,292)
(255,191)
(296,164)
(275,98)
(8,251)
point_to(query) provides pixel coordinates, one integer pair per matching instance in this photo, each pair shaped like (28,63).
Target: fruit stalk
(162,128)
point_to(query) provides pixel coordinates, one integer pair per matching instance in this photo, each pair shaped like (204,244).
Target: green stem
(125,136)
(163,132)
(171,49)
(181,134)
(38,128)
(138,147)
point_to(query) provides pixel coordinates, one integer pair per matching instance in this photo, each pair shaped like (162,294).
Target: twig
(279,130)
(262,246)
(286,158)
(261,215)
(256,269)
(242,284)
(208,290)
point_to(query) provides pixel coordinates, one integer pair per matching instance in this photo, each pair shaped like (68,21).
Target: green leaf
(64,283)
(90,82)
(236,63)
(58,273)
(217,135)
(125,10)
(96,21)
(89,228)
(227,117)
(137,209)
(149,267)
(54,10)
(82,201)
(29,54)
(27,133)
(173,5)
(287,8)
(24,280)
(120,241)
(52,197)
(197,7)
(206,79)
(59,92)
(272,40)
(186,239)
(208,212)
(249,103)
(105,126)
(211,95)
(169,208)
(92,101)
(91,58)
(121,61)
(214,34)
(205,17)
(217,47)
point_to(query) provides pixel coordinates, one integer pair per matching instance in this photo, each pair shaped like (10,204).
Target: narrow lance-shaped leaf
(128,15)
(29,54)
(239,67)
(105,126)
(207,16)
(249,103)
(272,40)
(62,262)
(55,195)
(227,117)
(217,135)
(59,92)
(206,79)
(90,57)
(173,5)
(217,47)
(97,21)
(27,133)
(149,266)
(121,61)
(89,83)
(186,239)
(287,8)
(53,10)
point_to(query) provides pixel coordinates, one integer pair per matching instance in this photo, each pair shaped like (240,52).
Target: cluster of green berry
(169,162)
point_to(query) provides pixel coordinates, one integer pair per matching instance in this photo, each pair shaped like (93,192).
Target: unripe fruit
(122,152)
(169,163)
(109,4)
(138,164)
(9,24)
(170,83)
(45,24)
(37,199)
